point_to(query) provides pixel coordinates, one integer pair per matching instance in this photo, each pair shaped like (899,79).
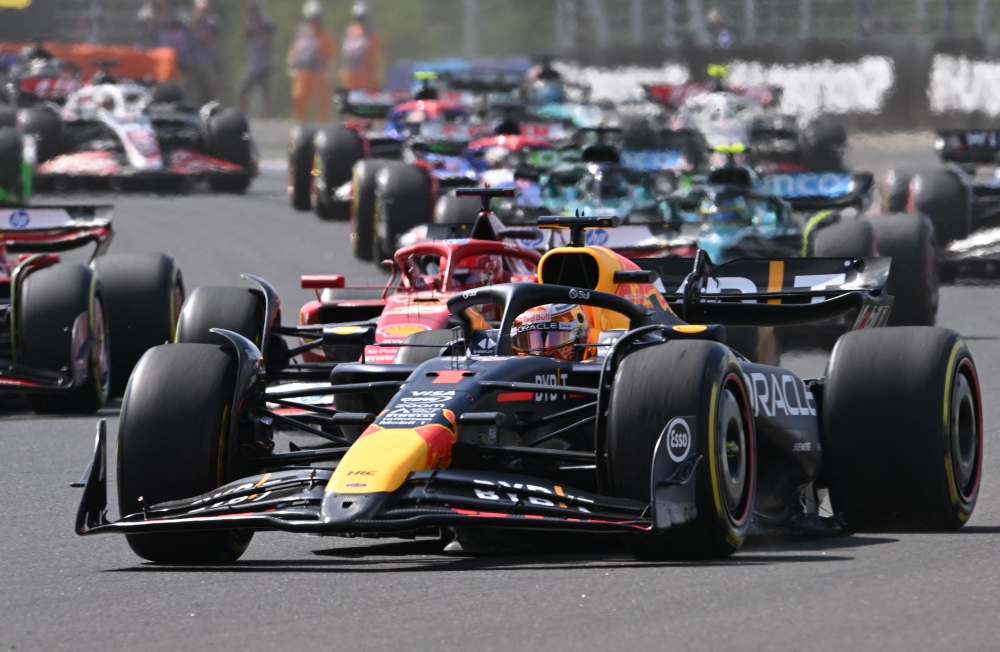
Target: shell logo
(417,309)
(401,330)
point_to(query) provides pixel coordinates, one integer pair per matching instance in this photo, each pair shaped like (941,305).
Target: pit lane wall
(892,84)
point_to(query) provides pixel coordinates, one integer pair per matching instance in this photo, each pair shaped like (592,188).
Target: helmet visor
(543,337)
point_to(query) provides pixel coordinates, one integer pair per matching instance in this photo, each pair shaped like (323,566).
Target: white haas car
(122,133)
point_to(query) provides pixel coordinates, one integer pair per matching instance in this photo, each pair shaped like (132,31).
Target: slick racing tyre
(845,238)
(824,142)
(946,199)
(61,324)
(167,92)
(300,162)
(421,354)
(456,210)
(913,276)
(236,309)
(902,430)
(229,136)
(46,128)
(896,191)
(336,150)
(11,180)
(402,201)
(363,205)
(143,295)
(173,443)
(705,383)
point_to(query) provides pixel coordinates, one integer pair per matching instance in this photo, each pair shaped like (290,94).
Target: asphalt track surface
(290,592)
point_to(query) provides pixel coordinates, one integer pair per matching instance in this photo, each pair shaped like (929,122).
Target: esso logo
(468,294)
(678,436)
(579,294)
(19,219)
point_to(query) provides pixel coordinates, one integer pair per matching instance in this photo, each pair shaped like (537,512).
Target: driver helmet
(725,210)
(104,100)
(547,92)
(552,330)
(477,271)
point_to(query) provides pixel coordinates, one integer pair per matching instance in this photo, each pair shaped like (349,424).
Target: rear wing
(452,132)
(369,104)
(45,229)
(821,190)
(776,292)
(972,146)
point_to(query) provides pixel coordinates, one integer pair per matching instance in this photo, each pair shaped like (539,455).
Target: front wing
(293,501)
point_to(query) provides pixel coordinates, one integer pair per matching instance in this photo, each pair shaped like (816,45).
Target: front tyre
(902,430)
(700,380)
(173,444)
(402,201)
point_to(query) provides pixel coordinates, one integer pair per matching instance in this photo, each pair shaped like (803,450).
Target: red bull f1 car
(644,423)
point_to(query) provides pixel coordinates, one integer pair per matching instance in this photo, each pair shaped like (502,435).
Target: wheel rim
(100,360)
(965,434)
(733,452)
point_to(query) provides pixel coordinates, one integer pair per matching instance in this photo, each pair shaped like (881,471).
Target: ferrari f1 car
(964,209)
(70,334)
(652,428)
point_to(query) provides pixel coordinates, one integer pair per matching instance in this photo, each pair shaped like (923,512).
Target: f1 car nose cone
(348,508)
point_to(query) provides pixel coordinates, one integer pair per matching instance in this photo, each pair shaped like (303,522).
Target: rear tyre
(421,354)
(300,162)
(705,382)
(402,201)
(825,140)
(896,191)
(61,321)
(336,150)
(173,444)
(451,209)
(46,128)
(143,295)
(167,92)
(11,152)
(945,198)
(846,238)
(913,277)
(902,430)
(363,205)
(229,135)
(236,309)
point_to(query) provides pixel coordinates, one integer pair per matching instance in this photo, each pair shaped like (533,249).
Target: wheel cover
(99,357)
(965,436)
(732,439)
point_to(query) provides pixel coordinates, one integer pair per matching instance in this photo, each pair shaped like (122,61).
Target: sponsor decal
(468,294)
(400,331)
(501,491)
(809,184)
(555,379)
(786,394)
(419,408)
(652,160)
(415,309)
(579,294)
(19,219)
(802,447)
(596,237)
(961,85)
(356,485)
(678,439)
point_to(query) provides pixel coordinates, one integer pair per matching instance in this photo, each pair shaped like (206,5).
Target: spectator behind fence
(311,62)
(199,64)
(258,32)
(361,60)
